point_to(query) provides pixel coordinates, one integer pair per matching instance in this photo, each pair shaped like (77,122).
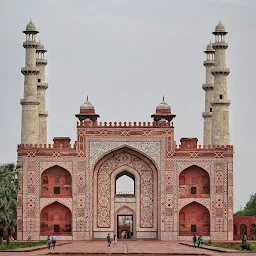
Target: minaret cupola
(87,112)
(163,112)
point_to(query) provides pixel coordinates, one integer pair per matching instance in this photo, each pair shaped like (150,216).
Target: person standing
(194,241)
(108,240)
(53,241)
(115,241)
(29,236)
(48,242)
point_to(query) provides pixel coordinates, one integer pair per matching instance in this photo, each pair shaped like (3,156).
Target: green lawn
(251,247)
(17,245)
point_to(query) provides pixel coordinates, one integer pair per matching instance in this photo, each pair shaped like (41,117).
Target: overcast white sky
(125,54)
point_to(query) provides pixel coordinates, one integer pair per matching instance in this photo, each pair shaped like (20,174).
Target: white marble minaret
(220,103)
(30,103)
(208,88)
(42,86)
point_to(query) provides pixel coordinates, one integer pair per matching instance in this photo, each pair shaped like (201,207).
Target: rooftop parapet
(126,124)
(205,148)
(46,146)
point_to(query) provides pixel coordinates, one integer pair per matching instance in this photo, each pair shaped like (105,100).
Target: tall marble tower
(30,103)
(208,88)
(220,103)
(42,86)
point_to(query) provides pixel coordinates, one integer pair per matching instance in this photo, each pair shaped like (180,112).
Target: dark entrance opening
(125,227)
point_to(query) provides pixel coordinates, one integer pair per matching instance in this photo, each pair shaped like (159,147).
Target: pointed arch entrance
(142,200)
(56,218)
(194,218)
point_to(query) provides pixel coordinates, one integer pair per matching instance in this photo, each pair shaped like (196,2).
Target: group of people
(197,241)
(51,241)
(114,240)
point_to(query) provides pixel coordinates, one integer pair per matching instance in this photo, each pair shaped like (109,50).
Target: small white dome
(87,105)
(30,26)
(163,105)
(209,47)
(220,28)
(40,46)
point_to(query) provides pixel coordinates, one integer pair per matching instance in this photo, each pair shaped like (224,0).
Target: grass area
(17,245)
(250,246)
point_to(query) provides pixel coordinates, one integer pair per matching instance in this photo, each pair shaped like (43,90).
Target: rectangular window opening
(56,228)
(221,97)
(193,228)
(193,190)
(210,109)
(39,80)
(56,190)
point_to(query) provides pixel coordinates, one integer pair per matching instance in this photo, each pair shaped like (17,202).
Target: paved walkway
(100,247)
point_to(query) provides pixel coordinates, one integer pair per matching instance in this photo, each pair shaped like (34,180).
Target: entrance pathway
(98,247)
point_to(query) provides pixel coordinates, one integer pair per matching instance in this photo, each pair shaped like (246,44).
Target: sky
(125,54)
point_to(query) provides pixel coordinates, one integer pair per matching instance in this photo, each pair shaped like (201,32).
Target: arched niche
(125,184)
(194,182)
(104,176)
(194,218)
(56,182)
(243,229)
(56,218)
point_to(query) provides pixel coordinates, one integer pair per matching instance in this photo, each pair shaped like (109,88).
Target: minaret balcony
(207,114)
(29,70)
(43,113)
(41,61)
(220,45)
(29,101)
(209,63)
(42,85)
(207,87)
(30,44)
(220,71)
(221,102)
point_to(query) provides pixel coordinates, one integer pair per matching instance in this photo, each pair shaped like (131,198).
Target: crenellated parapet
(126,124)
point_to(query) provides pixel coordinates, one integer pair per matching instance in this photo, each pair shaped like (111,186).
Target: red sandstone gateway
(74,191)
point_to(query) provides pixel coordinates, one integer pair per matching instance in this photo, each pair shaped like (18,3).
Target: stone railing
(204,148)
(46,146)
(125,124)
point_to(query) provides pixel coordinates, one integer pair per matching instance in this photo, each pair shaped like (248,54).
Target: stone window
(56,190)
(125,184)
(221,97)
(39,80)
(57,228)
(210,109)
(193,228)
(193,190)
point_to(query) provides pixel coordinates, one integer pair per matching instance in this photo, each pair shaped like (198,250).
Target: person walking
(115,241)
(108,240)
(199,241)
(194,240)
(29,236)
(244,242)
(48,242)
(53,241)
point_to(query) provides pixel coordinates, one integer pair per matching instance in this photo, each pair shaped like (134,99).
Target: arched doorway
(194,218)
(141,195)
(243,229)
(56,182)
(56,218)
(194,182)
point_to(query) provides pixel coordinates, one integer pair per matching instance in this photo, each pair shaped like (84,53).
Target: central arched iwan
(104,182)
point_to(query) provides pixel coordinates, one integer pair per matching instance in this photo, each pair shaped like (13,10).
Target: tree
(8,198)
(249,209)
